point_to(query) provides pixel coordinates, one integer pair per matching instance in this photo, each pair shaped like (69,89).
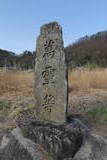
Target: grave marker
(50,75)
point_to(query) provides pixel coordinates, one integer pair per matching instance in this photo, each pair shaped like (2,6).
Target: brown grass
(88,79)
(21,83)
(16,83)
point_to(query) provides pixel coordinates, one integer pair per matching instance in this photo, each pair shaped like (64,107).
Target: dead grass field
(16,83)
(21,83)
(88,79)
(88,92)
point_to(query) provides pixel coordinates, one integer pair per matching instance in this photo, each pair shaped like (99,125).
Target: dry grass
(88,79)
(21,83)
(16,83)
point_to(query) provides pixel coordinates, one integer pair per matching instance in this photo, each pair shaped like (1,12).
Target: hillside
(7,58)
(88,50)
(11,60)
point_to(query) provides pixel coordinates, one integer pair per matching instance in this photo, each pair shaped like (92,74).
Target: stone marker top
(50,75)
(51,31)
(51,27)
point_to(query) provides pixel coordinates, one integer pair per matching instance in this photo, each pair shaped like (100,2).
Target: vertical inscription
(48,75)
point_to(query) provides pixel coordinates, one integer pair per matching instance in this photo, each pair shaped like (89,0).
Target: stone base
(70,141)
(59,140)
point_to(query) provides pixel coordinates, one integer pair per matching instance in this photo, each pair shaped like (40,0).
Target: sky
(20,20)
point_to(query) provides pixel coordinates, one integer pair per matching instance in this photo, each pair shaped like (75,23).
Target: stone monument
(50,75)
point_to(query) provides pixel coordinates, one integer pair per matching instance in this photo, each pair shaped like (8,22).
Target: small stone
(15,147)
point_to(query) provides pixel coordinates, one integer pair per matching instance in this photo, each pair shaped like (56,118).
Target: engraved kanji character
(48,75)
(49,48)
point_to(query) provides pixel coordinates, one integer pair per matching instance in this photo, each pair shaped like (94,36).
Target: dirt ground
(82,101)
(79,103)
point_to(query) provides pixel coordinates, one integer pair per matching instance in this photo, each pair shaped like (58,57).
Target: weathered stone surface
(61,141)
(94,148)
(50,75)
(15,147)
